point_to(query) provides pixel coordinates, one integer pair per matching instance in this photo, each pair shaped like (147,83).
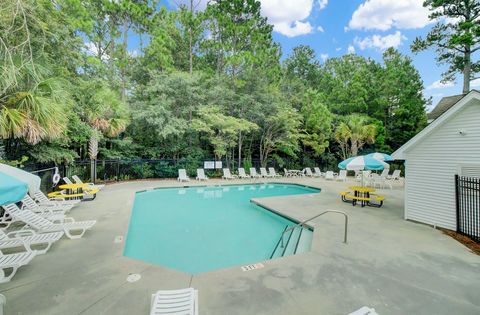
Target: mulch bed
(465,240)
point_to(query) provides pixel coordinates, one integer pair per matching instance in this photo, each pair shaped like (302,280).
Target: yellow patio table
(360,191)
(74,190)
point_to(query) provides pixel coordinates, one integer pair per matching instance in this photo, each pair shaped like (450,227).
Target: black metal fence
(468,206)
(120,170)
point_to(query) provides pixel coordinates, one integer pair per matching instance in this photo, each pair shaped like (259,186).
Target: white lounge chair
(42,225)
(395,175)
(12,262)
(241,173)
(342,176)
(273,173)
(43,200)
(317,172)
(184,301)
(263,172)
(227,174)
(253,173)
(27,239)
(86,192)
(308,172)
(201,174)
(182,175)
(79,181)
(30,204)
(329,175)
(384,173)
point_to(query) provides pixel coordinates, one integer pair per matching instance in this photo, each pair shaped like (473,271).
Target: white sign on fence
(209,165)
(218,164)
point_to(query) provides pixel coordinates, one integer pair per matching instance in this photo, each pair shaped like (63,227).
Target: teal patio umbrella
(362,162)
(381,156)
(11,189)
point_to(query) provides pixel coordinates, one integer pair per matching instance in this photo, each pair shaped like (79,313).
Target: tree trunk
(467,71)
(354,148)
(125,57)
(240,143)
(190,33)
(93,152)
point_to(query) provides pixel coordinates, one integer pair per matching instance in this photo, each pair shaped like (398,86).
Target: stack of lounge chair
(34,226)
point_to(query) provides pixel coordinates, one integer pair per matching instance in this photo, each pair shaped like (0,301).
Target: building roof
(447,113)
(444,105)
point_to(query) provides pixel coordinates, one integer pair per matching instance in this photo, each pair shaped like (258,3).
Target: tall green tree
(456,37)
(317,121)
(353,133)
(401,99)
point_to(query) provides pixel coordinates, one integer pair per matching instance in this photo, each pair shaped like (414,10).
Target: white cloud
(324,57)
(338,48)
(293,29)
(475,83)
(91,49)
(320,29)
(440,85)
(385,14)
(351,49)
(380,42)
(288,16)
(322,4)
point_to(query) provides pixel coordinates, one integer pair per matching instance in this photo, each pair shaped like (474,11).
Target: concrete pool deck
(392,265)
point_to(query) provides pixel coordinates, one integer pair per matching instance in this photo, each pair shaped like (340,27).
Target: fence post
(457,201)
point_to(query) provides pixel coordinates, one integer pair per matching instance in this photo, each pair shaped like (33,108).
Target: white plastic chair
(201,174)
(263,172)
(329,175)
(395,175)
(30,204)
(253,173)
(273,173)
(384,173)
(27,239)
(182,175)
(43,200)
(308,172)
(317,172)
(42,225)
(12,262)
(342,176)
(227,174)
(184,301)
(241,173)
(92,185)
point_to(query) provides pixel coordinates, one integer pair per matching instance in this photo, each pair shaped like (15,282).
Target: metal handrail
(314,217)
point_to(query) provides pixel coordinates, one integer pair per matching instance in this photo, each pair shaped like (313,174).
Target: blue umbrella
(381,156)
(362,162)
(11,189)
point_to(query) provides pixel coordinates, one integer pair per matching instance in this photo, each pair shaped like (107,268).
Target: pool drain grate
(133,277)
(252,267)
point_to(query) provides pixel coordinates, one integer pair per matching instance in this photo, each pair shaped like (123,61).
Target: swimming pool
(199,229)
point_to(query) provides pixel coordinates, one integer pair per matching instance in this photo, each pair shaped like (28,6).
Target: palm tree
(105,113)
(32,109)
(353,134)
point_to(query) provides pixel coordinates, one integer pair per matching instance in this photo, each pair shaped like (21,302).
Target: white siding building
(449,145)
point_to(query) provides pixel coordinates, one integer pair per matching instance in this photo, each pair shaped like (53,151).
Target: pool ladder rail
(283,248)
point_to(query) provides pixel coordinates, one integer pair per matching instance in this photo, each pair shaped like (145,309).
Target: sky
(364,27)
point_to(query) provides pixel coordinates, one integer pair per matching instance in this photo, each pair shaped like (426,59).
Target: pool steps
(296,241)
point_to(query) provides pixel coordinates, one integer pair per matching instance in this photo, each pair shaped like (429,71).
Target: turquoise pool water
(199,229)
